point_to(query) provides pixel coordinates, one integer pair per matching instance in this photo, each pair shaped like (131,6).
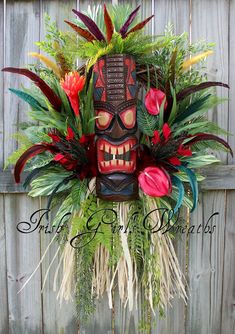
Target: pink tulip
(155,182)
(153,101)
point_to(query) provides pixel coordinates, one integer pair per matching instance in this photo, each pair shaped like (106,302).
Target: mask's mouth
(116,157)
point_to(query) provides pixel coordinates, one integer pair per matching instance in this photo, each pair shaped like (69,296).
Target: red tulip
(155,182)
(153,101)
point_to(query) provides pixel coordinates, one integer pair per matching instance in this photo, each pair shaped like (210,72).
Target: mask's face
(115,91)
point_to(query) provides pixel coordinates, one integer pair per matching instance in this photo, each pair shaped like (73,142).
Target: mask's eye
(128,117)
(104,119)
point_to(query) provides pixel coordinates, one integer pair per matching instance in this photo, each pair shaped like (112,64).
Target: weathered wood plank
(227,306)
(56,318)
(4,316)
(23,255)
(206,252)
(177,13)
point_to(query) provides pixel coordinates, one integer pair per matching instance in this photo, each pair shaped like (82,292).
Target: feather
(128,22)
(82,32)
(52,195)
(208,136)
(27,98)
(42,85)
(48,62)
(192,108)
(91,25)
(28,154)
(179,184)
(193,183)
(195,88)
(193,60)
(35,172)
(139,26)
(109,24)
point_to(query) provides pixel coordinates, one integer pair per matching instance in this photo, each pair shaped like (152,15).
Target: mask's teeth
(113,150)
(121,162)
(106,148)
(127,147)
(120,150)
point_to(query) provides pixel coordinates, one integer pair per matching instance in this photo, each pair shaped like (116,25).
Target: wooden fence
(208,260)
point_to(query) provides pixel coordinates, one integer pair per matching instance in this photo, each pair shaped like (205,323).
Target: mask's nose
(117,131)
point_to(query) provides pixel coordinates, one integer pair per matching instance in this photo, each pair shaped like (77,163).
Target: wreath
(117,143)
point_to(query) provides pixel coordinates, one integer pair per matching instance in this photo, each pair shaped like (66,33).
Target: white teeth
(113,162)
(128,163)
(120,150)
(127,147)
(121,162)
(102,163)
(113,150)
(101,147)
(106,148)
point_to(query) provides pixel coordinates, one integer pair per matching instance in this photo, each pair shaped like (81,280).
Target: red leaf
(109,24)
(140,25)
(128,22)
(91,25)
(54,100)
(82,32)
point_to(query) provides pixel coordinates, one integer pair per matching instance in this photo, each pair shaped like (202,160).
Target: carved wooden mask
(115,95)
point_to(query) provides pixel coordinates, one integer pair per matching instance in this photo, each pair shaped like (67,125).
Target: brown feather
(82,32)
(139,25)
(109,24)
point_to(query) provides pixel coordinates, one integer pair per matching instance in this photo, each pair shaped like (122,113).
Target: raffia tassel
(68,258)
(172,281)
(101,273)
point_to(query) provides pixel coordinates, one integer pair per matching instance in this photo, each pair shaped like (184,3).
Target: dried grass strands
(68,259)
(101,276)
(172,280)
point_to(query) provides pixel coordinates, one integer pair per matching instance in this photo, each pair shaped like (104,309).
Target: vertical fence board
(206,255)
(59,318)
(177,13)
(23,254)
(228,293)
(227,315)
(3,268)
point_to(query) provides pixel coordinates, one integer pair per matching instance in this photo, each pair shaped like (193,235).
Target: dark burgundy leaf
(54,100)
(91,25)
(128,22)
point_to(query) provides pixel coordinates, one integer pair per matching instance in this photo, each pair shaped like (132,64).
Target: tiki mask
(115,93)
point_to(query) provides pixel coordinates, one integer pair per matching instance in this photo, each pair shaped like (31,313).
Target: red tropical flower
(155,182)
(153,101)
(70,134)
(66,161)
(156,137)
(184,151)
(174,161)
(72,84)
(166,130)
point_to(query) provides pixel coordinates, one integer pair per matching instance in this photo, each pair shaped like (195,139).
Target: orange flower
(72,84)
